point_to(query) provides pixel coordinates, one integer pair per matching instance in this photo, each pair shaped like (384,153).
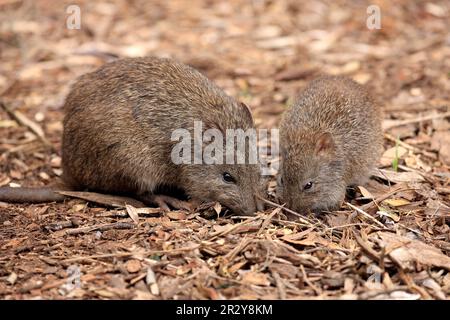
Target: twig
(410,147)
(366,215)
(308,282)
(101,227)
(214,235)
(393,123)
(242,244)
(384,197)
(412,286)
(59,225)
(33,127)
(268,220)
(280,285)
(370,252)
(300,217)
(127,254)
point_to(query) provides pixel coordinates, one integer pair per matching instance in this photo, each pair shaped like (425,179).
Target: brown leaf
(365,193)
(406,252)
(132,212)
(217,207)
(237,266)
(398,177)
(396,202)
(256,278)
(176,215)
(105,199)
(390,154)
(312,240)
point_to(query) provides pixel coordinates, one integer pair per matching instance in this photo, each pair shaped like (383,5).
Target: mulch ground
(391,239)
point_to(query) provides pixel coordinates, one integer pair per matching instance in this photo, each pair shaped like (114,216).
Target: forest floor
(392,239)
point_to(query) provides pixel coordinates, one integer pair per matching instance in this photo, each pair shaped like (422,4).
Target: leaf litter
(391,240)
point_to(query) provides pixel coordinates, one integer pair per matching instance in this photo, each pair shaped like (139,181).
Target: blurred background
(262,52)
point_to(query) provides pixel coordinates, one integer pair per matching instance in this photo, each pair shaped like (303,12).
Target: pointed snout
(254,205)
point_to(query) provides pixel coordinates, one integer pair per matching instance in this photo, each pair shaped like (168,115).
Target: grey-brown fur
(331,136)
(118,125)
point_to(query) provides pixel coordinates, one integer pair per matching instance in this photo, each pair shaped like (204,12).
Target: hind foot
(164,201)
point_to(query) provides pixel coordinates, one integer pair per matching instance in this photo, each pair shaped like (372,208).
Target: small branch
(308,282)
(410,147)
(268,219)
(389,124)
(102,227)
(128,254)
(300,217)
(369,251)
(366,215)
(22,120)
(384,197)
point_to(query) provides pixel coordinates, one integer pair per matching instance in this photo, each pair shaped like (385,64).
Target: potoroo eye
(228,178)
(308,185)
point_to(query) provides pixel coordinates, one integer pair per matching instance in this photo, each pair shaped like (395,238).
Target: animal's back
(344,108)
(119,120)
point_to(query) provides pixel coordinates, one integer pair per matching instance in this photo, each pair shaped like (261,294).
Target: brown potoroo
(118,129)
(330,138)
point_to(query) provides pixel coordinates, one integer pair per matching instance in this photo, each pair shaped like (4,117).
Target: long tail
(29,195)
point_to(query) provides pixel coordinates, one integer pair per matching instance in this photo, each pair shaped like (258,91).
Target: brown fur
(331,136)
(118,125)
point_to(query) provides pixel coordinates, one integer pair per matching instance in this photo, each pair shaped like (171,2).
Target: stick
(301,218)
(398,123)
(365,214)
(32,126)
(370,252)
(308,282)
(410,147)
(384,197)
(127,254)
(101,227)
(268,220)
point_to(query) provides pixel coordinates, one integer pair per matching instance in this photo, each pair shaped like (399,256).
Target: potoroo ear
(325,144)
(246,111)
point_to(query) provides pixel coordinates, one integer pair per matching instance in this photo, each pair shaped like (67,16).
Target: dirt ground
(392,241)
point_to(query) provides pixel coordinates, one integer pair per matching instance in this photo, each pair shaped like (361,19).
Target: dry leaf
(217,207)
(398,177)
(176,215)
(312,239)
(148,210)
(256,278)
(386,213)
(407,252)
(150,279)
(365,193)
(390,154)
(396,202)
(132,212)
(105,293)
(105,199)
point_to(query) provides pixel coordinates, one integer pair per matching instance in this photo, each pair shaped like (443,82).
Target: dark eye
(228,178)
(308,185)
